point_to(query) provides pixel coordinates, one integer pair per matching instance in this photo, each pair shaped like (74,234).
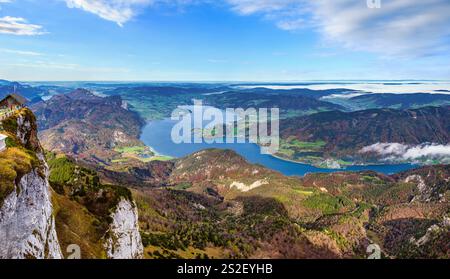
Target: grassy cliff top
(18,159)
(14,163)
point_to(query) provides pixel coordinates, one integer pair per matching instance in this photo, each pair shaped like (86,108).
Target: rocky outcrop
(28,211)
(433,232)
(124,240)
(245,188)
(27,225)
(432,183)
(101,219)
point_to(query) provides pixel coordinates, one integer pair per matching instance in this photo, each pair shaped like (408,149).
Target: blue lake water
(157,135)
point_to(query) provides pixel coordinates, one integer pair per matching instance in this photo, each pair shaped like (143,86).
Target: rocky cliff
(101,219)
(124,241)
(45,208)
(27,225)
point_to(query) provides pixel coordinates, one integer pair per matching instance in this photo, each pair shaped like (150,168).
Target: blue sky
(224,40)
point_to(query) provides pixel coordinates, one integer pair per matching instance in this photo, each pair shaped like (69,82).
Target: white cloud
(398,28)
(287,14)
(19,26)
(398,151)
(292,24)
(4,2)
(247,7)
(431,87)
(20,52)
(119,11)
(68,67)
(42,70)
(122,11)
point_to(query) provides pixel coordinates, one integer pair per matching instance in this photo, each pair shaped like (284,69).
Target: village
(8,106)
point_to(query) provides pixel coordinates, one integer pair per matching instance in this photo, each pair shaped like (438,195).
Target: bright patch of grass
(132,149)
(327,204)
(141,153)
(306,145)
(62,170)
(305,193)
(14,163)
(158,158)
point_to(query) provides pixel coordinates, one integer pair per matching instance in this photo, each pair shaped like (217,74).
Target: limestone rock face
(27,224)
(124,240)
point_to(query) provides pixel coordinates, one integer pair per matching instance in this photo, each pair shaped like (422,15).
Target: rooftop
(21,100)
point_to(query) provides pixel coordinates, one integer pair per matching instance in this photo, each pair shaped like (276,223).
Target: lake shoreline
(157,136)
(342,168)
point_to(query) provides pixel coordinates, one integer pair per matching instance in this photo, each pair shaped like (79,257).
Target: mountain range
(69,176)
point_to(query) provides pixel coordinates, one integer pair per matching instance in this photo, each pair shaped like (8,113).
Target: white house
(2,142)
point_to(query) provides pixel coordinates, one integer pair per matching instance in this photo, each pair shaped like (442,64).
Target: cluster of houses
(8,106)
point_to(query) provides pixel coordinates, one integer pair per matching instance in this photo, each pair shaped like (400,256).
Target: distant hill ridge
(399,101)
(347,132)
(87,126)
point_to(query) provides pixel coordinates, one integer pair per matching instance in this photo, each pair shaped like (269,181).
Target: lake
(157,135)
